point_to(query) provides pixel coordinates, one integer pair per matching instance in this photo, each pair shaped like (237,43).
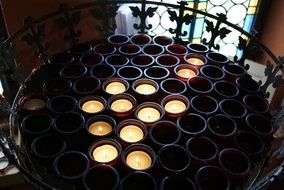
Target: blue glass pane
(248,22)
(198,28)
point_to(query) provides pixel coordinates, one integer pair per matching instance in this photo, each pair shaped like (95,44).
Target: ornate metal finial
(69,20)
(216,31)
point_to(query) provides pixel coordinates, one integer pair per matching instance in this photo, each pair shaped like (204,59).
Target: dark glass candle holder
(191,125)
(62,104)
(177,50)
(57,61)
(225,90)
(196,60)
(177,182)
(256,104)
(218,59)
(138,180)
(104,49)
(129,50)
(153,49)
(233,71)
(115,86)
(145,89)
(212,177)
(129,73)
(185,72)
(204,105)
(212,72)
(33,103)
(86,85)
(142,61)
(103,71)
(207,155)
(173,159)
(121,105)
(156,73)
(175,105)
(222,130)
(105,151)
(167,60)
(197,48)
(140,39)
(91,59)
(164,132)
(173,86)
(90,105)
(118,39)
(101,177)
(247,86)
(80,49)
(117,60)
(163,40)
(100,126)
(73,71)
(199,86)
(58,86)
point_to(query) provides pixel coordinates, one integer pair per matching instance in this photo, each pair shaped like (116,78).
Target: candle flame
(100,129)
(174,107)
(122,108)
(149,115)
(105,153)
(137,162)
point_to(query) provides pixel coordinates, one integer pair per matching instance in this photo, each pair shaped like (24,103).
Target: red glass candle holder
(175,105)
(153,49)
(177,50)
(117,60)
(121,105)
(212,72)
(197,48)
(173,86)
(199,86)
(100,126)
(33,103)
(167,60)
(177,182)
(73,71)
(118,39)
(105,151)
(62,104)
(140,39)
(156,73)
(80,49)
(104,49)
(129,73)
(218,59)
(129,50)
(115,86)
(256,104)
(225,90)
(196,60)
(185,72)
(138,180)
(212,177)
(86,85)
(145,89)
(58,86)
(103,71)
(91,59)
(163,40)
(233,71)
(142,61)
(101,177)
(204,105)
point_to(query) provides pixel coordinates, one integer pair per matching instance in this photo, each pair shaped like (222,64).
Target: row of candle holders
(143,112)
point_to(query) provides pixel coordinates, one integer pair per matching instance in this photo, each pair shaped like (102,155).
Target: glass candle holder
(100,126)
(167,60)
(153,49)
(33,103)
(58,86)
(101,177)
(175,105)
(104,49)
(105,151)
(62,104)
(196,60)
(212,177)
(80,49)
(117,60)
(91,59)
(129,73)
(145,89)
(163,40)
(173,86)
(73,71)
(191,125)
(206,155)
(4,163)
(177,50)
(90,105)
(197,48)
(212,72)
(131,131)
(236,164)
(164,132)
(149,113)
(86,85)
(140,39)
(121,105)
(65,167)
(129,50)
(156,73)
(142,61)
(57,61)
(233,71)
(139,157)
(222,130)
(256,104)
(218,59)
(138,180)
(118,39)
(185,71)
(199,86)
(247,85)
(169,163)
(204,105)
(115,86)
(225,90)
(177,182)
(103,71)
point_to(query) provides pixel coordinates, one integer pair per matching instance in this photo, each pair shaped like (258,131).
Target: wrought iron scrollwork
(216,31)
(243,46)
(35,37)
(69,20)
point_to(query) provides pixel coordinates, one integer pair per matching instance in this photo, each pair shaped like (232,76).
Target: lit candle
(195,61)
(175,106)
(100,128)
(131,133)
(115,88)
(145,89)
(149,114)
(121,105)
(34,104)
(186,73)
(105,153)
(92,106)
(138,160)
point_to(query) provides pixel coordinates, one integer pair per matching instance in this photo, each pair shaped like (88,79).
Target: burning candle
(175,106)
(92,106)
(186,73)
(34,104)
(138,160)
(121,105)
(115,88)
(105,153)
(149,114)
(131,133)
(100,128)
(195,61)
(145,89)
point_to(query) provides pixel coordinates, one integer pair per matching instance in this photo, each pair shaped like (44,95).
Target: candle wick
(174,107)
(100,129)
